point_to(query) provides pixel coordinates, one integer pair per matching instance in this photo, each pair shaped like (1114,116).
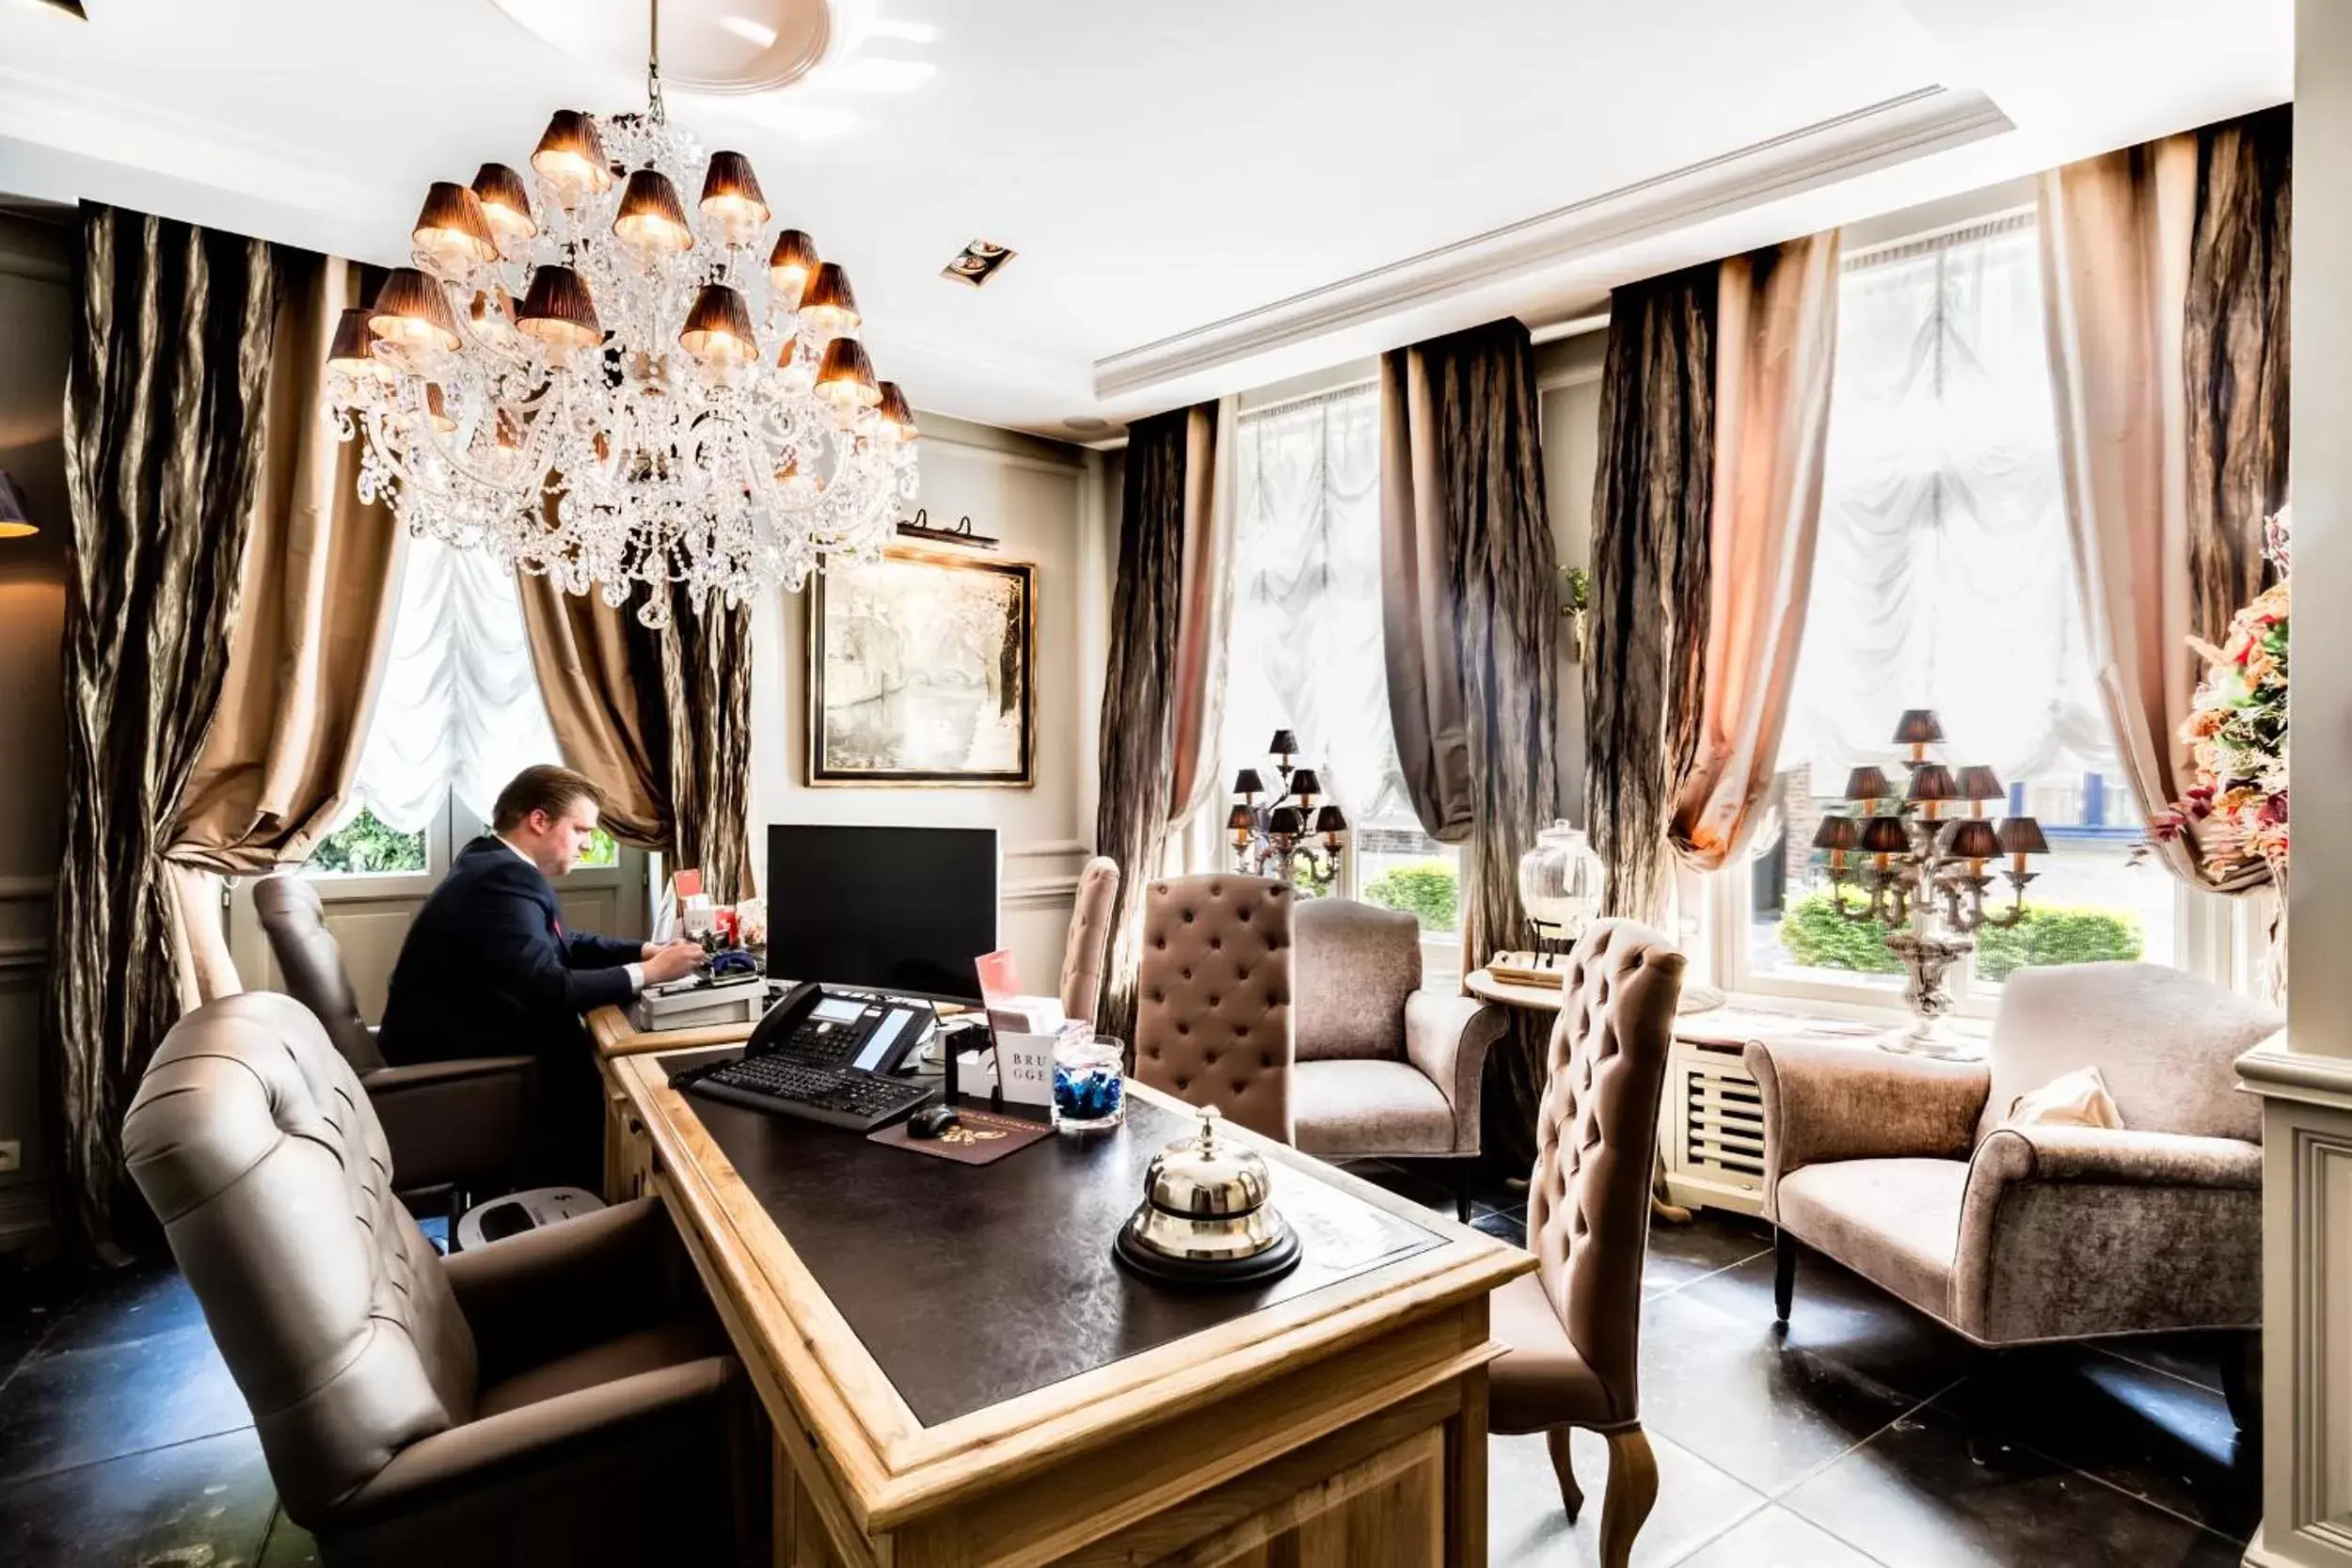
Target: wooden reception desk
(957,1374)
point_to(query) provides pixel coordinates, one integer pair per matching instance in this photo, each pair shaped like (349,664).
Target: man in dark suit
(488,970)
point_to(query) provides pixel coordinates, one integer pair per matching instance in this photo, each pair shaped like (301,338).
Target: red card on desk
(1000,977)
(688,882)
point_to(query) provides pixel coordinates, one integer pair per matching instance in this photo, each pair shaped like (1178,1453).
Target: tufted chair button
(1182,1029)
(1215,999)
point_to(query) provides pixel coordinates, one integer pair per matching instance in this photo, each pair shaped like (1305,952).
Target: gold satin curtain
(1166,502)
(1471,629)
(2165,273)
(164,414)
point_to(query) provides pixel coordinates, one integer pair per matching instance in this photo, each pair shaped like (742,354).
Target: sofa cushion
(2077,1098)
(1894,1222)
(1344,1110)
(1539,1380)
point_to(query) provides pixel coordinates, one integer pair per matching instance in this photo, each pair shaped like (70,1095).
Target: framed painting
(919,671)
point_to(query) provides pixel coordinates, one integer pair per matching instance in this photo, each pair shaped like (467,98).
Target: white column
(2305,1076)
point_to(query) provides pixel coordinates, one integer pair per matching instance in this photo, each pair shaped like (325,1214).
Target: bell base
(1206,1274)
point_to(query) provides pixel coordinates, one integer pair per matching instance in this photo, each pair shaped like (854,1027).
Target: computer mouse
(931,1120)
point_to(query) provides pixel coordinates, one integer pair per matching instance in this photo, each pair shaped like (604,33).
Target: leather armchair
(1573,1327)
(467,1123)
(1902,1169)
(1306,1021)
(1090,936)
(557,1398)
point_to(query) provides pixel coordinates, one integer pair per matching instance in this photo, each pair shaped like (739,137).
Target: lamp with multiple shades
(600,383)
(1293,831)
(1922,863)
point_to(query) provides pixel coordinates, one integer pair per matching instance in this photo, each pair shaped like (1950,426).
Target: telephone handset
(842,1029)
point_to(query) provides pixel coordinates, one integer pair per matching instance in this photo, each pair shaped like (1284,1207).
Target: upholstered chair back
(1213,1004)
(1596,1141)
(2165,1041)
(1090,936)
(256,1148)
(1357,964)
(312,962)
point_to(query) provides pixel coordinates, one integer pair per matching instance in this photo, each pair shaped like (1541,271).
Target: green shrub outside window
(366,846)
(1427,890)
(1817,937)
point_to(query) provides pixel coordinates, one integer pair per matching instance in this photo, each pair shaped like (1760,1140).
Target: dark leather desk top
(970,1285)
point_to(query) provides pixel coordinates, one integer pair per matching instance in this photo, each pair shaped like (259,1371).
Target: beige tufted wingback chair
(1574,1325)
(557,1397)
(1213,994)
(1090,936)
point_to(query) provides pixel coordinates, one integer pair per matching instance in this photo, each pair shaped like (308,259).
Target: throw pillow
(2077,1098)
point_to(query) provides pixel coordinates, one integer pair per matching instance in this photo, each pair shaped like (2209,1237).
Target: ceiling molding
(1912,125)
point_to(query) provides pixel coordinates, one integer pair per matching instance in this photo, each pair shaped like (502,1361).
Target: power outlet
(12,1155)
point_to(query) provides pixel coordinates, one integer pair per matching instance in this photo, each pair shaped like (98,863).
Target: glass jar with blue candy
(1090,1091)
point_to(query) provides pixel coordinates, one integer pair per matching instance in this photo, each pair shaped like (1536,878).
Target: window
(1303,650)
(457,714)
(1944,578)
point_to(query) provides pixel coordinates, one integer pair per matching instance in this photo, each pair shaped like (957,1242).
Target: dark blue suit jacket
(488,970)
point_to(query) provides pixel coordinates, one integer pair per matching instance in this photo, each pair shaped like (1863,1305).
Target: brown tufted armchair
(1574,1325)
(557,1398)
(1902,1169)
(1090,936)
(467,1123)
(1213,997)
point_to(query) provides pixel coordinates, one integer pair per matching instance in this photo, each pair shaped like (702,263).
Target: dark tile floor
(1867,1436)
(1864,1436)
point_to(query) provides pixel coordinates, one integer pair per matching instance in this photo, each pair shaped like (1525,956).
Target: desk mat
(971,1285)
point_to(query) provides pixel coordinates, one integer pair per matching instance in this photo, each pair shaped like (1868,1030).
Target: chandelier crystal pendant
(600,384)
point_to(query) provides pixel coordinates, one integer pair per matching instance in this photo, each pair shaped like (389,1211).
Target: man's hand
(673,962)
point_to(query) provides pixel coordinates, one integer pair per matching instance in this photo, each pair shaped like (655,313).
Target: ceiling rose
(605,384)
(715,46)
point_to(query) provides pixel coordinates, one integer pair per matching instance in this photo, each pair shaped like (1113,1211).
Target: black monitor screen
(902,909)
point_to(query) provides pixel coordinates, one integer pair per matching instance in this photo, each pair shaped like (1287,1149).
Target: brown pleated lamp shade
(1932,781)
(1248,782)
(1836,833)
(505,204)
(828,307)
(1980,783)
(651,218)
(790,265)
(411,313)
(352,352)
(1284,744)
(1285,819)
(2022,835)
(731,197)
(16,521)
(898,418)
(570,156)
(1972,838)
(454,230)
(1885,835)
(1917,727)
(1867,783)
(558,310)
(1329,819)
(718,329)
(1241,819)
(846,378)
(1306,781)
(436,409)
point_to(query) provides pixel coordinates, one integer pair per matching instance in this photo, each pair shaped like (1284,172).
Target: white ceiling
(1204,196)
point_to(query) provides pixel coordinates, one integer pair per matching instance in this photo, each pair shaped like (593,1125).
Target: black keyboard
(837,1096)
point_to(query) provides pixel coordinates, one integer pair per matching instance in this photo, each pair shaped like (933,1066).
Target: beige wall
(1043,499)
(35,308)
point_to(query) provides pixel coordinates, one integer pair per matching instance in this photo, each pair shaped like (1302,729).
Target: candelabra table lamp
(1924,869)
(1290,832)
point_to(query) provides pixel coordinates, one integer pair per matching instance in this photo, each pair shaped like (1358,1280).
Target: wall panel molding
(1040,893)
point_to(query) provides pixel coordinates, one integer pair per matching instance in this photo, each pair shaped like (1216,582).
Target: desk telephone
(825,1056)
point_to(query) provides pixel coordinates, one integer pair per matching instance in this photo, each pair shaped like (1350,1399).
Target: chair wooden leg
(1571,1495)
(1632,1491)
(2242,1378)
(1465,1176)
(1784,1273)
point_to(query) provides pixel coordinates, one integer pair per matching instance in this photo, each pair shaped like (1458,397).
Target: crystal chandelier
(597,384)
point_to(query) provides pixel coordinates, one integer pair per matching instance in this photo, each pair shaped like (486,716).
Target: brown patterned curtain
(1470,630)
(706,692)
(1166,501)
(1653,494)
(164,414)
(2165,271)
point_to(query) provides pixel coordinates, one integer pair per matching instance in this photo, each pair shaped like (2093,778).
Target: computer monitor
(900,910)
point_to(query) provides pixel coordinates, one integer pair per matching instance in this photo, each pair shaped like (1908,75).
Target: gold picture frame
(922,673)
